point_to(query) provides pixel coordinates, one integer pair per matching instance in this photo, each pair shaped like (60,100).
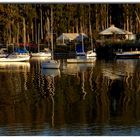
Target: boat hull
(41,54)
(3,55)
(133,54)
(91,54)
(80,54)
(15,59)
(51,64)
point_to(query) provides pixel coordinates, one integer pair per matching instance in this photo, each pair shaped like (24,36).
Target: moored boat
(128,54)
(15,58)
(90,54)
(41,54)
(3,52)
(51,64)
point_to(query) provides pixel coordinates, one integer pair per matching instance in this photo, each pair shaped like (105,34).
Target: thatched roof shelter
(113,30)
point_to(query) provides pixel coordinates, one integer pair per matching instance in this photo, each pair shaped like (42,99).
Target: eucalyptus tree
(131,17)
(27,13)
(9,18)
(136,21)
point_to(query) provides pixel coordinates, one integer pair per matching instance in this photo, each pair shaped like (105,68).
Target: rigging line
(52,97)
(52,117)
(83,86)
(90,79)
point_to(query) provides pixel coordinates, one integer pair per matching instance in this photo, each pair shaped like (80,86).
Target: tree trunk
(38,42)
(96,16)
(107,16)
(35,29)
(41,25)
(77,31)
(32,31)
(24,32)
(52,32)
(10,34)
(18,35)
(90,30)
(127,23)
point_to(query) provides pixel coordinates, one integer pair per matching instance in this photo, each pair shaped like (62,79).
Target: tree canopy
(67,18)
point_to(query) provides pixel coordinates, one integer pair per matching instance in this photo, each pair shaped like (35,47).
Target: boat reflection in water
(40,59)
(74,68)
(81,59)
(129,65)
(51,72)
(80,100)
(80,71)
(120,78)
(122,68)
(15,66)
(50,75)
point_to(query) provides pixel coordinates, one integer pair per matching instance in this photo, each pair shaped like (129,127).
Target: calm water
(98,99)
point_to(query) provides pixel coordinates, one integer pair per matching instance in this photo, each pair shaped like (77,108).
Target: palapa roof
(68,36)
(80,36)
(113,30)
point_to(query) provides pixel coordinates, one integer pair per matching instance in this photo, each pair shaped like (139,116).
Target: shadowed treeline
(68,18)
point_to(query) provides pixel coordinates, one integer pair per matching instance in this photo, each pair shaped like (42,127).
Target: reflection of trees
(59,101)
(122,93)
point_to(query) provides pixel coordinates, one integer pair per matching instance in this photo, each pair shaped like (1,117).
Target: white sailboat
(42,54)
(80,49)
(3,52)
(82,57)
(51,64)
(91,53)
(18,56)
(45,53)
(15,58)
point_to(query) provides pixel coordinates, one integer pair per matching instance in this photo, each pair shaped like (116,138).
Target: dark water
(99,99)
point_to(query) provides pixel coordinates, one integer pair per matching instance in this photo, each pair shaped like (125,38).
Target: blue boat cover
(79,48)
(19,50)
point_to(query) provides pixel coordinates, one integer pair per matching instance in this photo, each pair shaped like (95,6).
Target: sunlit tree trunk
(35,27)
(96,16)
(32,27)
(18,35)
(24,32)
(90,29)
(38,42)
(41,25)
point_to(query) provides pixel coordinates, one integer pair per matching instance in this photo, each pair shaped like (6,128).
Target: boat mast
(52,31)
(41,23)
(82,41)
(35,26)
(38,37)
(90,29)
